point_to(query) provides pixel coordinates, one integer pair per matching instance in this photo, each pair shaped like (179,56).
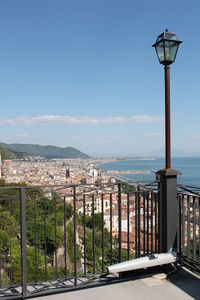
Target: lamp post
(166,47)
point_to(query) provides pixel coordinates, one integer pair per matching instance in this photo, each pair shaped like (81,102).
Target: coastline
(144,169)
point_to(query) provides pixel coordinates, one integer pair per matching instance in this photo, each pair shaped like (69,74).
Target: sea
(143,169)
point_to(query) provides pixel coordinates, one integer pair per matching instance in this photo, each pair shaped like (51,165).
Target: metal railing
(189,229)
(64,237)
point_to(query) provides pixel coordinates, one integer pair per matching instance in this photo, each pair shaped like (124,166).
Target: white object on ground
(144,262)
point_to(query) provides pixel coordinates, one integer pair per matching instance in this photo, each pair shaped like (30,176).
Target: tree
(4,242)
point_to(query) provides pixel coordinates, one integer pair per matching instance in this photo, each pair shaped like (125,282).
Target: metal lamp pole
(166,48)
(167,119)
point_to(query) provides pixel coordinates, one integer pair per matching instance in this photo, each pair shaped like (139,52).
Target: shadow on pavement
(187,282)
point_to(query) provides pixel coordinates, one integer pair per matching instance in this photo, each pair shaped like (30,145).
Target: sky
(82,73)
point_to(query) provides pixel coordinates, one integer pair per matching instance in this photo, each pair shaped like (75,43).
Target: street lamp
(166,47)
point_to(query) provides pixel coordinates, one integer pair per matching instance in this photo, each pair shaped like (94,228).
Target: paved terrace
(181,285)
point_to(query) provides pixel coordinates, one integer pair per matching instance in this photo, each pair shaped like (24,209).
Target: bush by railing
(54,233)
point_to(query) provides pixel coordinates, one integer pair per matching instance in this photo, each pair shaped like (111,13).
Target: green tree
(4,242)
(31,264)
(89,221)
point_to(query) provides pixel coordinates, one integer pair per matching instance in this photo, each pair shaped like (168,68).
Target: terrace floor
(181,285)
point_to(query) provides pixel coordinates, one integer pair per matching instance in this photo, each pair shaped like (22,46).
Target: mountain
(48,152)
(6,154)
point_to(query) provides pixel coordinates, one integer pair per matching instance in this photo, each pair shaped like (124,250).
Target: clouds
(156,135)
(197,136)
(147,118)
(20,137)
(59,119)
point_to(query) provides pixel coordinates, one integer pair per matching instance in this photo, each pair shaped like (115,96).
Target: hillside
(48,152)
(6,154)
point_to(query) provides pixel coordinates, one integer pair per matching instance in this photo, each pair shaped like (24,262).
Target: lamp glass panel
(173,50)
(160,52)
(170,50)
(167,50)
(171,36)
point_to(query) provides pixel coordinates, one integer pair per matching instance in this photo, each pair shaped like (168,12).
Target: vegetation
(98,244)
(192,252)
(44,234)
(45,238)
(6,154)
(48,152)
(126,187)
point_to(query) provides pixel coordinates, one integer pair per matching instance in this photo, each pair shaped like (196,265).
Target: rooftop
(180,285)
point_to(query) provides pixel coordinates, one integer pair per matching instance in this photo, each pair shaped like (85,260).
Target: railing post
(65,236)
(111,253)
(119,223)
(159,214)
(23,241)
(84,235)
(168,211)
(93,235)
(139,236)
(0,269)
(75,237)
(180,226)
(102,235)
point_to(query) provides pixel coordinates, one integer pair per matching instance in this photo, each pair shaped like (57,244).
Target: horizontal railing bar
(189,189)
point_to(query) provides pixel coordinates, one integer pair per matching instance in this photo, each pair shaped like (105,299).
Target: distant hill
(48,152)
(6,154)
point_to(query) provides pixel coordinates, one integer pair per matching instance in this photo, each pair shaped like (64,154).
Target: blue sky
(82,73)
